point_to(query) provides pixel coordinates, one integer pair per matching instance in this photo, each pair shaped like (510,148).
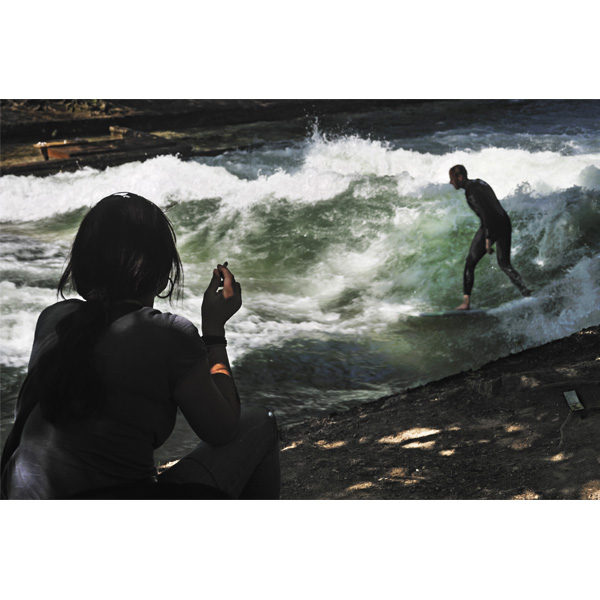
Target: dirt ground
(504,431)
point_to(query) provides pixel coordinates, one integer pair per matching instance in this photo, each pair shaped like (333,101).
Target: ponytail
(72,383)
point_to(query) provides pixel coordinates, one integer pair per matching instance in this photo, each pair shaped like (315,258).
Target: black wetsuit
(495,226)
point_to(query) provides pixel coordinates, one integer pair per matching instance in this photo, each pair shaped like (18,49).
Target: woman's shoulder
(170,325)
(52,314)
(165,319)
(177,333)
(62,306)
(45,329)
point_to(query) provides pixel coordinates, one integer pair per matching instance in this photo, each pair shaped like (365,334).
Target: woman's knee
(254,416)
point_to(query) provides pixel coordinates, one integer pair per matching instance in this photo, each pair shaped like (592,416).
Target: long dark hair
(125,249)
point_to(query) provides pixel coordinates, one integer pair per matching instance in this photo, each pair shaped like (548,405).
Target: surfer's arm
(476,202)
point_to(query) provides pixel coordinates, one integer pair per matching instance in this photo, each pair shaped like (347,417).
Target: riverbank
(188,127)
(32,119)
(504,431)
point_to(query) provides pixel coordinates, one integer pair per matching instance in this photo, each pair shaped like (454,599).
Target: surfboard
(514,305)
(472,312)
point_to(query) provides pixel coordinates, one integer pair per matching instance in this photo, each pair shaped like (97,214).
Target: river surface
(341,231)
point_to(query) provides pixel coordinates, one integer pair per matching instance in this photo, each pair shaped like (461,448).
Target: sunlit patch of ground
(330,445)
(365,485)
(292,446)
(411,434)
(527,495)
(591,490)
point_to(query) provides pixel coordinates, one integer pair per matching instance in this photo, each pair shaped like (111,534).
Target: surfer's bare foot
(466,305)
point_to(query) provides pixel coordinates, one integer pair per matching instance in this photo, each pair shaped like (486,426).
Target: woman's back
(139,358)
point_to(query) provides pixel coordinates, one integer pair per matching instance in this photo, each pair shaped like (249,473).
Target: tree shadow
(447,440)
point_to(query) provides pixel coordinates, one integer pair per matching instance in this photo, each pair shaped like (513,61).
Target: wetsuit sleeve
(185,349)
(476,198)
(202,403)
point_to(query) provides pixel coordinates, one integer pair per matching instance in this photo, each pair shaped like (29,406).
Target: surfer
(109,373)
(495,229)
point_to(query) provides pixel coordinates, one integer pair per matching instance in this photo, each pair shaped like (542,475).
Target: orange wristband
(220,368)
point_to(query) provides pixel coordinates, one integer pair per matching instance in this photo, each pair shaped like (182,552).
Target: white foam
(327,169)
(20,308)
(387,262)
(559,308)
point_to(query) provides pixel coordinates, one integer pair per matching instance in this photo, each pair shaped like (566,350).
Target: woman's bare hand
(222,299)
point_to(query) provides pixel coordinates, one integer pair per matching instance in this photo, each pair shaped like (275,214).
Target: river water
(341,231)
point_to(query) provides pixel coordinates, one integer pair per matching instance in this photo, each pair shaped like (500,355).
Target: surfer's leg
(503,244)
(246,467)
(476,253)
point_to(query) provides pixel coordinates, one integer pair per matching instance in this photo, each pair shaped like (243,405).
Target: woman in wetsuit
(108,373)
(495,229)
